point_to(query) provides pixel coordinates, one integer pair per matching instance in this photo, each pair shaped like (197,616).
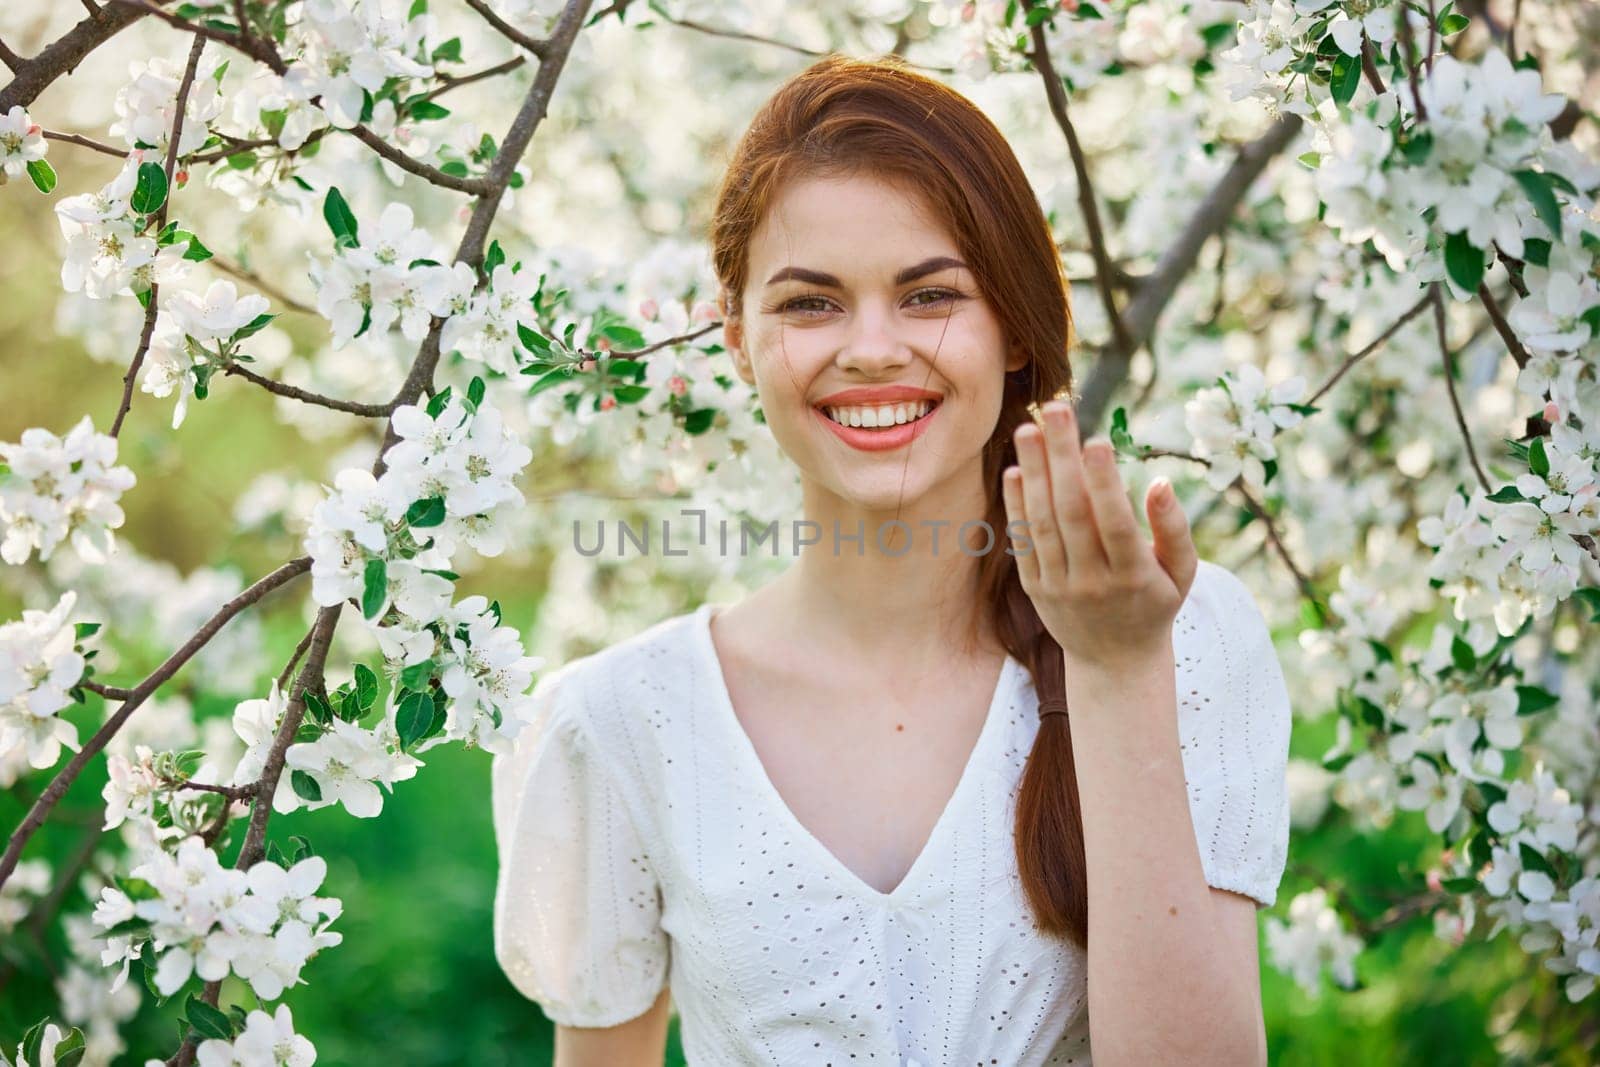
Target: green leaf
(85,629)
(1463,262)
(413,717)
(475,390)
(1506,494)
(533,341)
(630,394)
(555,377)
(1346,75)
(1537,185)
(1536,250)
(417,675)
(71,1048)
(1462,655)
(418,7)
(449,52)
(426,512)
(455,168)
(150,189)
(1590,596)
(207,1021)
(305,786)
(1453,23)
(341,220)
(624,335)
(366,686)
(428,111)
(43,175)
(1417,147)
(1336,764)
(493,258)
(318,707)
(375,587)
(438,402)
(1533,860)
(254,326)
(1532,699)
(1538,462)
(1460,885)
(699,420)
(1310,159)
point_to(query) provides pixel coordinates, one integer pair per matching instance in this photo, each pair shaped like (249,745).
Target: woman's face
(879,364)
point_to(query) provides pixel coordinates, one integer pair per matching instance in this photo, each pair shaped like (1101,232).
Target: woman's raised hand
(1106,595)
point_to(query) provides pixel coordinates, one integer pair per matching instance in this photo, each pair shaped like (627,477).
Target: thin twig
(1436,297)
(1371,347)
(1056,94)
(110,692)
(367,411)
(299,650)
(1369,66)
(508,31)
(278,295)
(1306,588)
(153,306)
(140,693)
(79,139)
(1502,327)
(453,82)
(12,61)
(1409,54)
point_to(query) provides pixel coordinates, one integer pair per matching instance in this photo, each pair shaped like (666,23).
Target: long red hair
(879,117)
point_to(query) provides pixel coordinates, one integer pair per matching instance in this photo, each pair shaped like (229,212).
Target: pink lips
(879,440)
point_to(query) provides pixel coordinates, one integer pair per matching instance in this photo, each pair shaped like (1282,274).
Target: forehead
(859,225)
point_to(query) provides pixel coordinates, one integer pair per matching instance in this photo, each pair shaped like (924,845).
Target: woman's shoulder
(606,690)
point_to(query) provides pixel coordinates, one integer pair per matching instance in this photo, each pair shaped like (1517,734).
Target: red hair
(844,116)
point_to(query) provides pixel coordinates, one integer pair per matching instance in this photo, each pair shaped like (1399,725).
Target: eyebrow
(909,274)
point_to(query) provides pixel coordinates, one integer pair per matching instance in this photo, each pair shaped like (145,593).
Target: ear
(1016,357)
(733,341)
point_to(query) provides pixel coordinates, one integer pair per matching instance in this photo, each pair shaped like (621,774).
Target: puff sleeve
(577,906)
(1236,745)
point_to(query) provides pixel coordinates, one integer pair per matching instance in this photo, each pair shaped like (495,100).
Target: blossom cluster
(1312,938)
(1233,424)
(55,489)
(40,664)
(203,919)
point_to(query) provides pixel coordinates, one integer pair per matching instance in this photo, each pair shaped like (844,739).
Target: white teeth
(881,415)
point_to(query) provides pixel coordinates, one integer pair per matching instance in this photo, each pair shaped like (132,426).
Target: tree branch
(508,31)
(366,411)
(1055,93)
(1157,287)
(1436,297)
(137,696)
(1502,327)
(152,308)
(1372,346)
(78,139)
(34,76)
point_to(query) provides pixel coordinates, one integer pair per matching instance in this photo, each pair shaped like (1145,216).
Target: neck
(898,593)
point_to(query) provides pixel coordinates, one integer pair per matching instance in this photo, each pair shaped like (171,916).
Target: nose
(874,347)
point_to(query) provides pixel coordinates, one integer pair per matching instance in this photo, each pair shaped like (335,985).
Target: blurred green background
(415,981)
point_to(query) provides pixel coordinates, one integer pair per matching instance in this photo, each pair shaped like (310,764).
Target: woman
(849,820)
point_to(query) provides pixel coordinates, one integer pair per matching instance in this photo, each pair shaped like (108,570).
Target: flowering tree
(1386,199)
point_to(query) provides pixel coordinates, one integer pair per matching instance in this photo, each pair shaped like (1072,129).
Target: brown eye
(939,296)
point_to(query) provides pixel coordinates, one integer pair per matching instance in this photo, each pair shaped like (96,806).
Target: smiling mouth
(880,416)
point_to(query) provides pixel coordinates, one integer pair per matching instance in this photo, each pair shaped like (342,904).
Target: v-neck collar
(752,765)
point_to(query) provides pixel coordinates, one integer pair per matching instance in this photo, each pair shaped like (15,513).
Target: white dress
(641,842)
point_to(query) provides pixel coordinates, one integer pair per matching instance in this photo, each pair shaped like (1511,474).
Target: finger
(1174,545)
(1042,527)
(1026,551)
(1073,509)
(1113,514)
